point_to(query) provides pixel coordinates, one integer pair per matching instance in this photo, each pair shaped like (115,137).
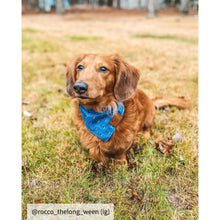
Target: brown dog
(106,83)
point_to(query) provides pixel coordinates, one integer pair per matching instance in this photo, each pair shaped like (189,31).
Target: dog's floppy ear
(127,77)
(70,79)
(71,75)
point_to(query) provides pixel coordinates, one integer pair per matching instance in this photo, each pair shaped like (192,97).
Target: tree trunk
(139,4)
(110,2)
(118,4)
(101,2)
(151,9)
(60,7)
(30,3)
(184,6)
(73,2)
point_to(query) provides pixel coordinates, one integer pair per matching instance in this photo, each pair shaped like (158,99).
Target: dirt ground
(113,23)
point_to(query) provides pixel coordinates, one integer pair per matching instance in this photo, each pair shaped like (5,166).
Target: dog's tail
(179,102)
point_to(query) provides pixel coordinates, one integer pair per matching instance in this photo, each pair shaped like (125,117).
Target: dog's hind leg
(148,121)
(146,132)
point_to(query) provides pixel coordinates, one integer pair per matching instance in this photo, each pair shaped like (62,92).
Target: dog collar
(102,124)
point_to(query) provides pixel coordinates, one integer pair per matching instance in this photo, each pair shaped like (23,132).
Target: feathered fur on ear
(70,79)
(127,77)
(71,75)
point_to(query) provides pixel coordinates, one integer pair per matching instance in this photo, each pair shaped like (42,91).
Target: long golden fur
(117,84)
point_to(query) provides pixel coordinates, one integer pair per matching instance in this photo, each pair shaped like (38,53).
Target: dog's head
(93,77)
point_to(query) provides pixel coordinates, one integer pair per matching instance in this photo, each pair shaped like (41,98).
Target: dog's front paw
(121,159)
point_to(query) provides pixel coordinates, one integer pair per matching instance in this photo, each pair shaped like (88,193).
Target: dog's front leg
(98,155)
(121,159)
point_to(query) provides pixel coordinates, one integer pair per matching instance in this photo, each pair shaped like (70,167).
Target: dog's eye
(80,67)
(103,69)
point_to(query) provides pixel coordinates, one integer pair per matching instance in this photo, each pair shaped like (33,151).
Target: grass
(167,37)
(38,45)
(29,30)
(55,167)
(83,38)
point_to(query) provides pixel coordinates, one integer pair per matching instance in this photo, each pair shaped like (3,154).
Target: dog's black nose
(80,87)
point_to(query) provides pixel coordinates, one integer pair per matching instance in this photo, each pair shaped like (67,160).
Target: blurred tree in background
(184,6)
(118,4)
(110,3)
(151,5)
(30,3)
(60,7)
(151,8)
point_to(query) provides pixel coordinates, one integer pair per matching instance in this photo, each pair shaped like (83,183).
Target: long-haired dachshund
(110,112)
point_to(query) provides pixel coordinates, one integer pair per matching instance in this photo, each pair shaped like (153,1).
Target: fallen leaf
(188,207)
(152,141)
(63,64)
(174,200)
(45,101)
(62,75)
(25,169)
(59,90)
(39,201)
(131,151)
(164,148)
(177,137)
(132,165)
(181,97)
(166,109)
(33,117)
(26,113)
(48,106)
(33,183)
(135,195)
(25,102)
(138,148)
(97,168)
(182,160)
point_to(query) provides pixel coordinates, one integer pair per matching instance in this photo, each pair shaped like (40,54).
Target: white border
(209,116)
(209,111)
(10,110)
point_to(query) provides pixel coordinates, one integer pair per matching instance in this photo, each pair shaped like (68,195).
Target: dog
(110,112)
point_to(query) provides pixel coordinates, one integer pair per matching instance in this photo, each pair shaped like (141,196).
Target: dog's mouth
(89,99)
(83,97)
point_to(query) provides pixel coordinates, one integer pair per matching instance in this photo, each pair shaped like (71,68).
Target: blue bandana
(102,124)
